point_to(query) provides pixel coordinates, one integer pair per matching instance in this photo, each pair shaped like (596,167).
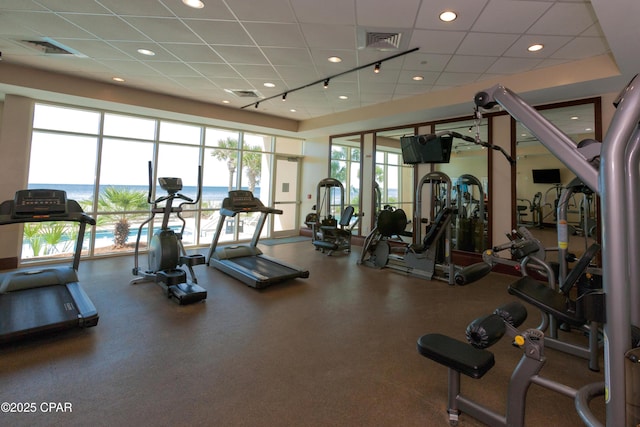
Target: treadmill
(247,263)
(46,299)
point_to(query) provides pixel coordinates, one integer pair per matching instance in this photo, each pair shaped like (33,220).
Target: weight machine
(611,171)
(428,258)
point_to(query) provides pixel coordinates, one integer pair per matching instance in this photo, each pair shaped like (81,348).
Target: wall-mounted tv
(546,176)
(426,148)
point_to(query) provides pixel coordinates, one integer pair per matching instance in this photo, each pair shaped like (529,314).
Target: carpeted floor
(336,349)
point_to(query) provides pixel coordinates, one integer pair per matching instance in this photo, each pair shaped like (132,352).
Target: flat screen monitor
(546,176)
(426,149)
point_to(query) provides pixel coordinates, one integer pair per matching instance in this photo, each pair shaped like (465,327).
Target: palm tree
(116,202)
(252,163)
(228,152)
(32,234)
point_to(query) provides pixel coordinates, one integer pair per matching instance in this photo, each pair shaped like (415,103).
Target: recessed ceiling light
(448,16)
(146,52)
(117,79)
(574,117)
(269,85)
(226,101)
(293,110)
(343,97)
(588,129)
(417,78)
(535,47)
(196,4)
(334,59)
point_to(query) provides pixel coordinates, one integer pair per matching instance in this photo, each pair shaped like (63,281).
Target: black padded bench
(589,307)
(456,355)
(548,300)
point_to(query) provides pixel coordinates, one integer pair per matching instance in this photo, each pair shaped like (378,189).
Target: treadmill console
(242,200)
(34,203)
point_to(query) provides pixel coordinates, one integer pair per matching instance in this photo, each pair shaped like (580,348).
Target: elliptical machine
(166,253)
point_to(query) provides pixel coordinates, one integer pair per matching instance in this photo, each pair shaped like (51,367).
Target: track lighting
(325,81)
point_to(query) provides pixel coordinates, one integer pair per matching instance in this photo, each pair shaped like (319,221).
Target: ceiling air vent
(49,46)
(378,40)
(383,38)
(244,93)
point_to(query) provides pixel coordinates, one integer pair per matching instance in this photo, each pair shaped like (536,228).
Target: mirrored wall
(468,170)
(541,178)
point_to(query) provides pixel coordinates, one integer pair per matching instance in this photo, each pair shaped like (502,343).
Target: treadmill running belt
(34,310)
(264,267)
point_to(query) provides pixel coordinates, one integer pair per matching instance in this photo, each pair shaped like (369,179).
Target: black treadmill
(247,263)
(46,299)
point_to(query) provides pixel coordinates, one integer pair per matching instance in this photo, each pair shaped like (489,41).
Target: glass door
(286,197)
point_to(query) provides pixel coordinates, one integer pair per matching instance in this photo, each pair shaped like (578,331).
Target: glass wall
(345,165)
(102,161)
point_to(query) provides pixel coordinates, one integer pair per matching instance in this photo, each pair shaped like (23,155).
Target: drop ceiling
(226,52)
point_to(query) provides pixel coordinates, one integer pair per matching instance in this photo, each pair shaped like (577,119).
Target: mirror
(541,178)
(468,171)
(393,179)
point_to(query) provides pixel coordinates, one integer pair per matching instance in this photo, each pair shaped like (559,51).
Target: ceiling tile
(220,32)
(241,55)
(254,71)
(98,49)
(490,44)
(216,71)
(287,56)
(513,65)
(470,64)
(325,36)
(582,47)
(428,16)
(275,35)
(192,52)
(565,19)
(131,49)
(172,69)
(49,25)
(269,10)
(338,12)
(161,30)
(551,45)
(437,41)
(75,6)
(384,13)
(105,27)
(130,8)
(214,9)
(507,16)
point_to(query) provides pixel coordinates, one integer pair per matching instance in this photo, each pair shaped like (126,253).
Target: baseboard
(8,263)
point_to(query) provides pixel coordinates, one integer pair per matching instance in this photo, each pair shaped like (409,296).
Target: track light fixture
(325,81)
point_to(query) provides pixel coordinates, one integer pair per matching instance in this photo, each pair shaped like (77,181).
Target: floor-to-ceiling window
(345,166)
(101,159)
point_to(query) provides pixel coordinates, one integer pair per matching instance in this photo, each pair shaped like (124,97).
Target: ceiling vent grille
(377,40)
(49,46)
(244,93)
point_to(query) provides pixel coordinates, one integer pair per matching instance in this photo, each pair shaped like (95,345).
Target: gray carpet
(336,349)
